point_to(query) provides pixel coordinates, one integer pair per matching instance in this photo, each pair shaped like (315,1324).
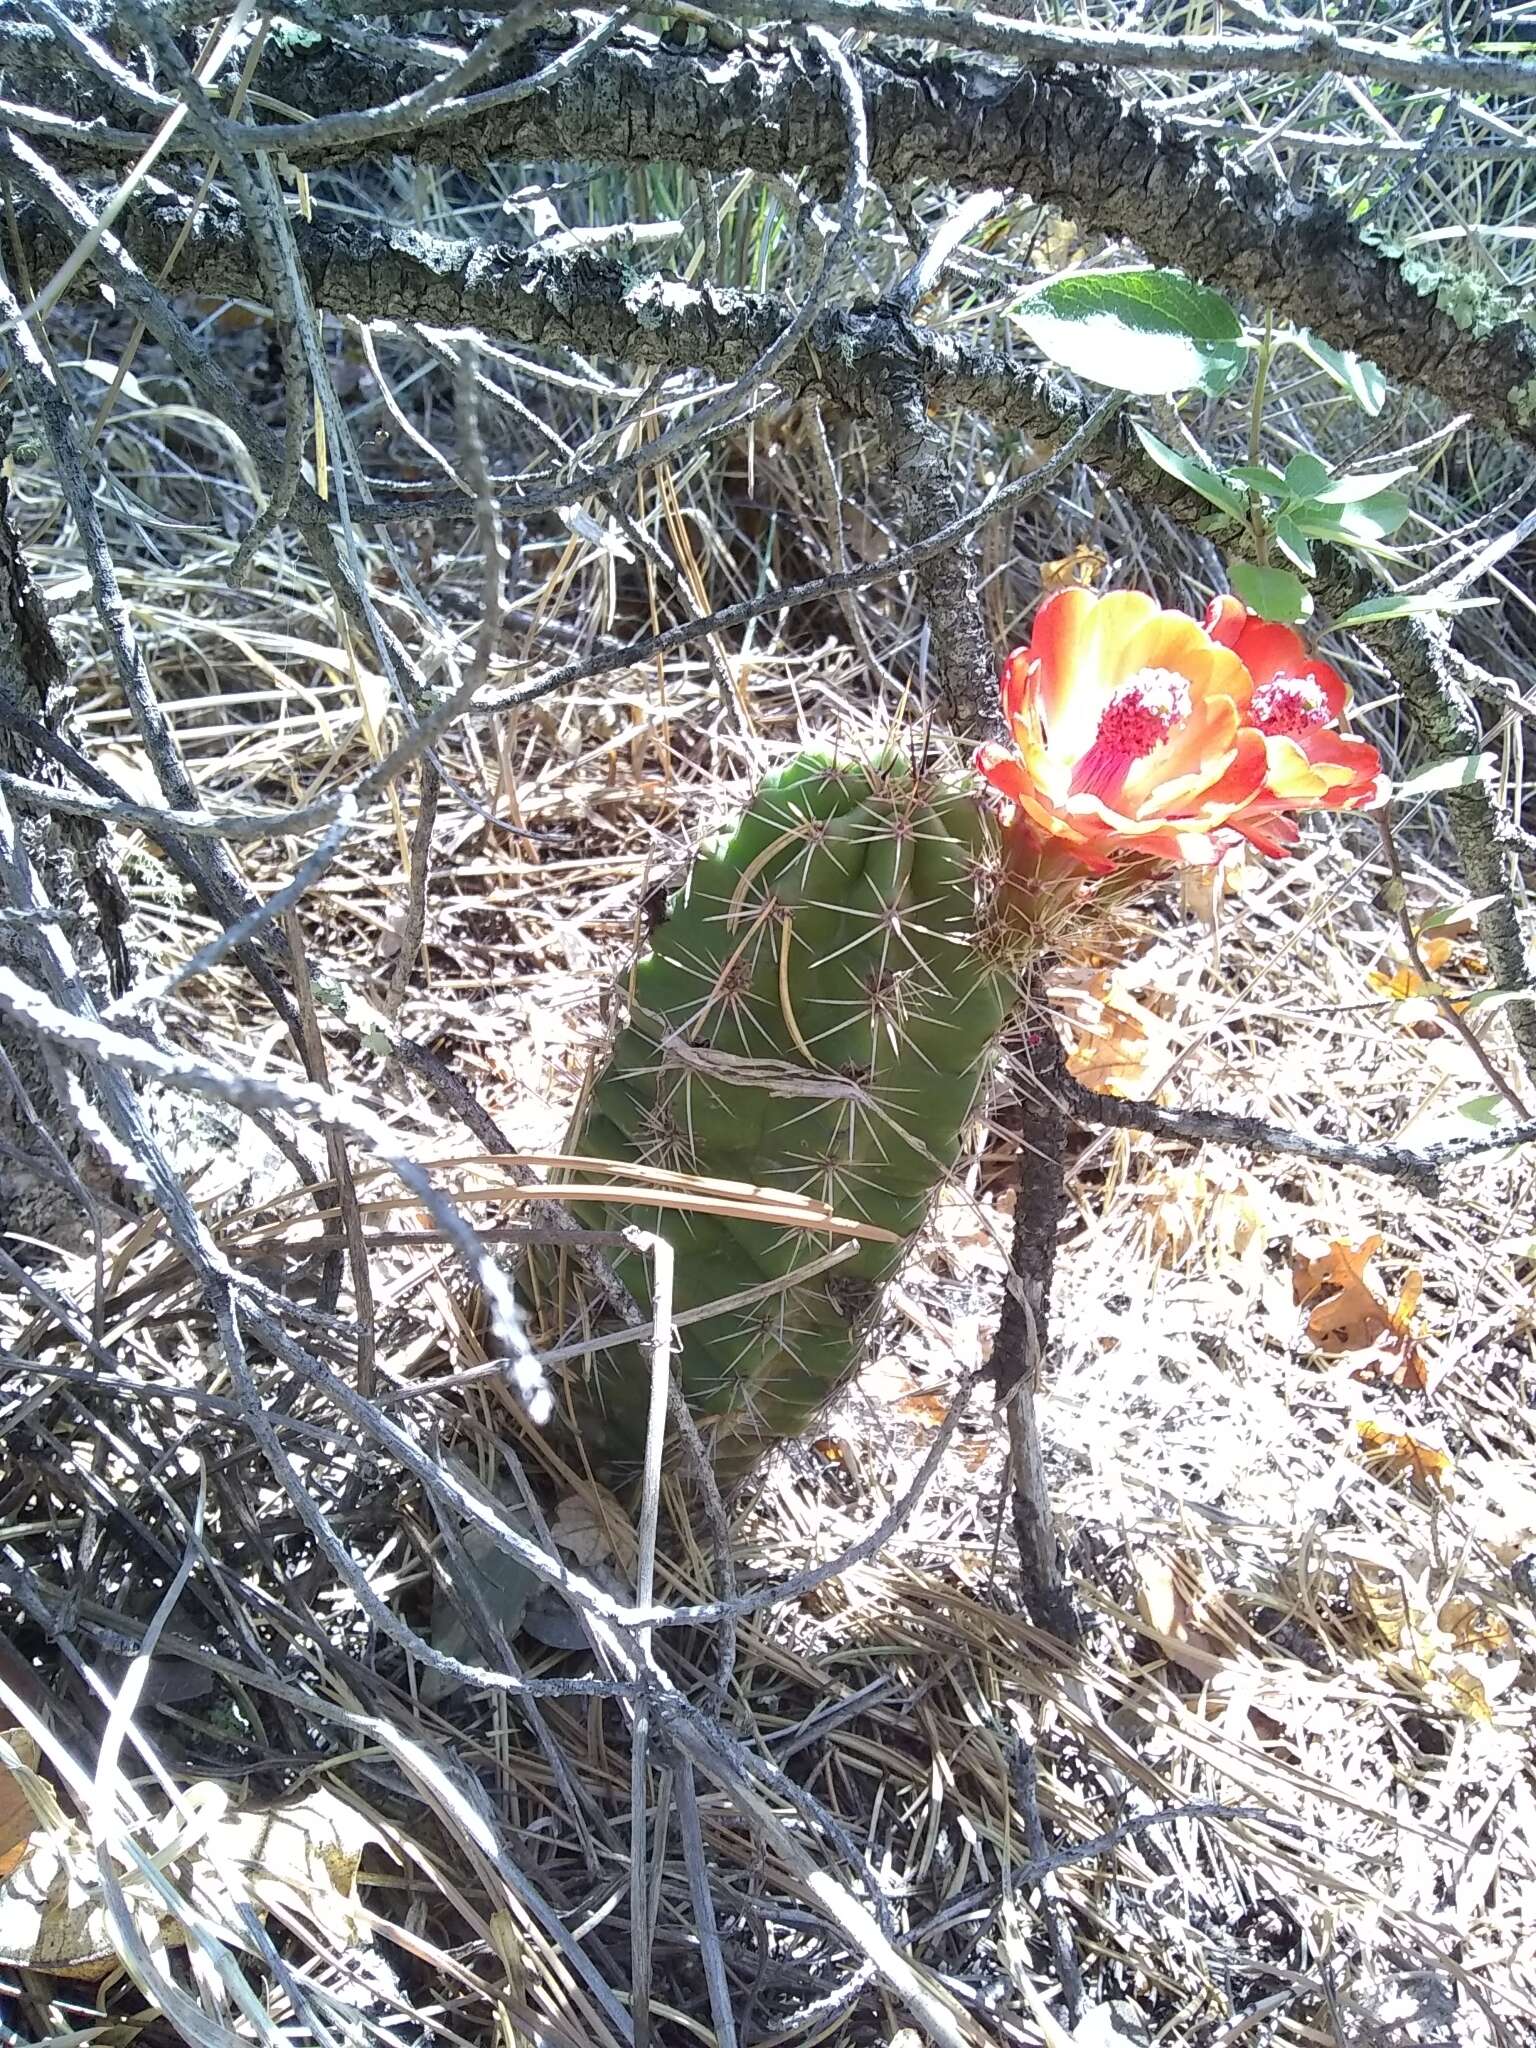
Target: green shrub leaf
(1363,381)
(1260,477)
(1144,331)
(1306,477)
(1460,773)
(1482,1109)
(1199,476)
(1405,604)
(1272,593)
(1359,483)
(1293,543)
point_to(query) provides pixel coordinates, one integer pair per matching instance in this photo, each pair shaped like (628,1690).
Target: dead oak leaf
(1396,1617)
(1472,1626)
(1203,1208)
(1185,1616)
(1396,1453)
(1348,1317)
(1400,981)
(1080,570)
(1416,1645)
(926,1407)
(17,1816)
(1115,1037)
(1468,1694)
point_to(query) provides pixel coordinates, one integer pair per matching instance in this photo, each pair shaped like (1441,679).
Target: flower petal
(1195,753)
(1225,617)
(1358,766)
(1272,653)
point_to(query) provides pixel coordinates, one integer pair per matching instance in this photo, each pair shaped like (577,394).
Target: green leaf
(1272,593)
(1481,1109)
(1145,331)
(1293,543)
(1199,476)
(1405,604)
(1353,526)
(1222,371)
(1453,913)
(1497,997)
(1363,381)
(1260,477)
(1460,773)
(1361,483)
(1306,477)
(1375,518)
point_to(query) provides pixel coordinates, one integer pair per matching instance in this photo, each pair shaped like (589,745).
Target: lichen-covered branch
(1422,1169)
(1299,52)
(1063,137)
(603,309)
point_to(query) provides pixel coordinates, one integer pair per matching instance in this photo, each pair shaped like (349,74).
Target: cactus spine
(815,1014)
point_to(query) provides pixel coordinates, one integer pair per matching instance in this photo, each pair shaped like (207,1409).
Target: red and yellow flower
(1140,732)
(1296,704)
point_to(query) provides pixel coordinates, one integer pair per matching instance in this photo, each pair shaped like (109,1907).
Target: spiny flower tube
(1140,733)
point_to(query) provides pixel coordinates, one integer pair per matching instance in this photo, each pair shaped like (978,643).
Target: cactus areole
(817,1014)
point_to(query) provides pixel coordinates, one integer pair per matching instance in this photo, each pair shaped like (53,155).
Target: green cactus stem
(816,1014)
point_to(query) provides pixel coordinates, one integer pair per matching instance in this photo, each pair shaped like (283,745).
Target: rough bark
(1061,135)
(1022,1345)
(606,310)
(947,582)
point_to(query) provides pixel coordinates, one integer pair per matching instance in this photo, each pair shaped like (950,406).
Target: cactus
(814,1014)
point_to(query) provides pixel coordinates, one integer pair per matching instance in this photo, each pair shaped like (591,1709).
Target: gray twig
(700,1894)
(1303,52)
(221,880)
(1423,1169)
(307,1103)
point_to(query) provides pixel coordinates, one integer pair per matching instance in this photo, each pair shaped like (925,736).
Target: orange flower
(1296,705)
(1131,732)
(1140,732)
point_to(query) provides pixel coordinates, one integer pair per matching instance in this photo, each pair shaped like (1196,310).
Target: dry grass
(1285,1790)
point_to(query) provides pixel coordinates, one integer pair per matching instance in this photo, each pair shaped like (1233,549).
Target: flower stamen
(1138,717)
(1288,706)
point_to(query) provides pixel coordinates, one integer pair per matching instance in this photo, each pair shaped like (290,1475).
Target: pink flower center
(1137,718)
(1289,706)
(1142,712)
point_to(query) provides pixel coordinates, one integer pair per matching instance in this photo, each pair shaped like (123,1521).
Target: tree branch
(1067,139)
(946,581)
(1421,1169)
(1022,1344)
(1304,53)
(601,308)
